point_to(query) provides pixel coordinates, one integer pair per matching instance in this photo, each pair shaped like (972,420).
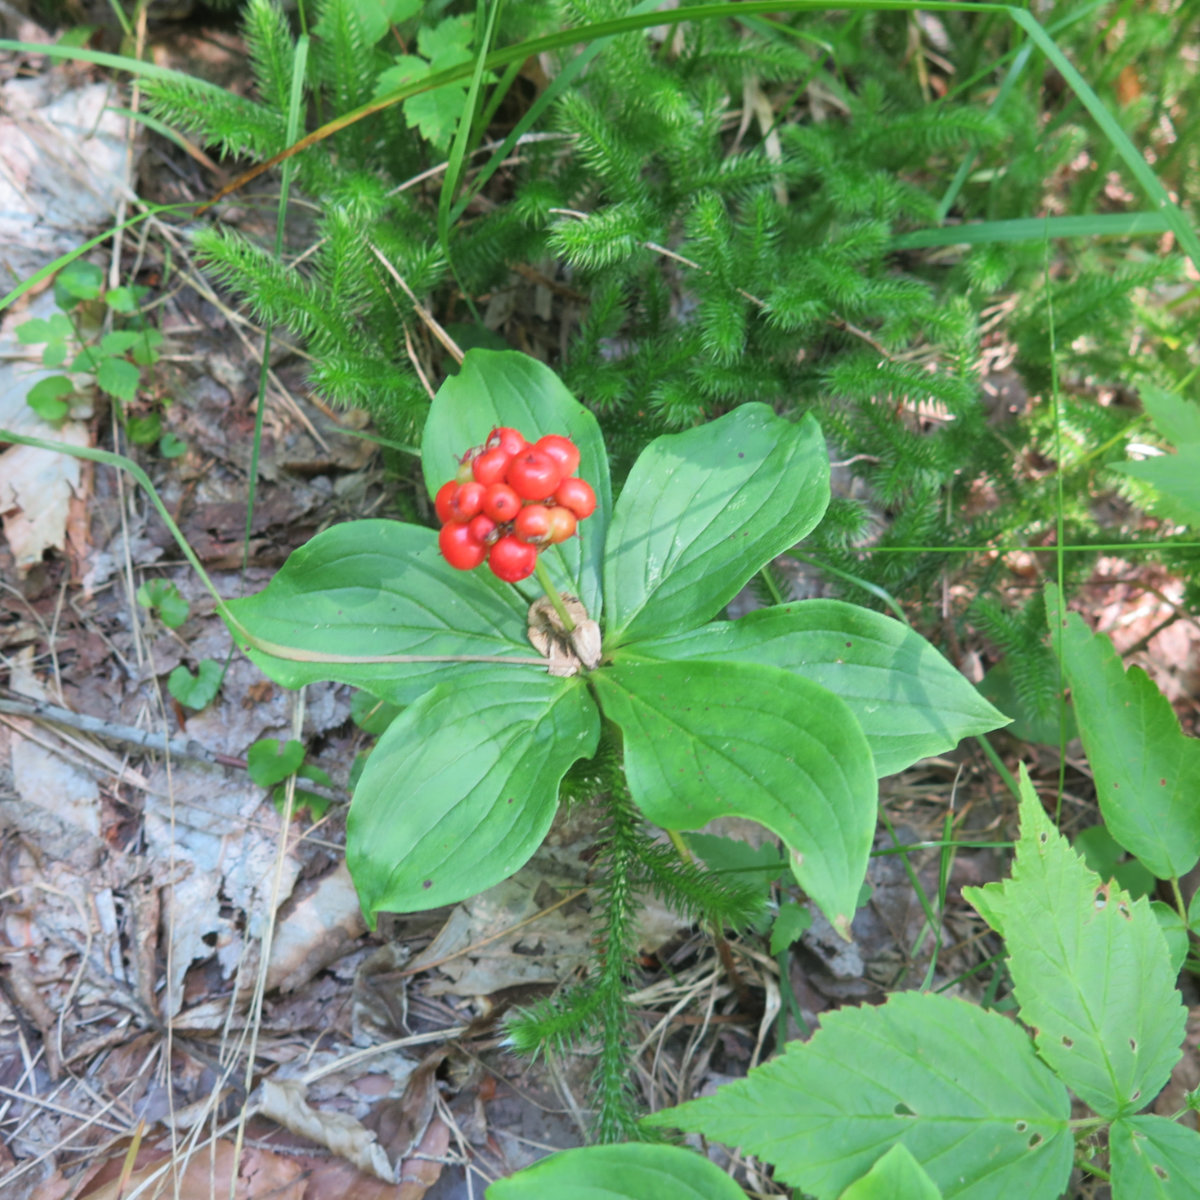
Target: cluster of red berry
(509,500)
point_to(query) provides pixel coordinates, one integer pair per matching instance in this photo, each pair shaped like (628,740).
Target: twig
(450,345)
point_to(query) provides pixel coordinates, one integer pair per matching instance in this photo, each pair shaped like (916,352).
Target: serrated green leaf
(121,300)
(738,861)
(1194,913)
(1176,418)
(404,68)
(462,787)
(896,1176)
(1090,969)
(1154,1159)
(435,114)
(118,341)
(959,1086)
(381,588)
(375,16)
(634,1171)
(1107,857)
(143,431)
(793,921)
(1175,931)
(35,331)
(78,280)
(506,388)
(48,396)
(705,740)
(118,378)
(448,39)
(910,702)
(1177,479)
(163,596)
(270,761)
(195,691)
(702,511)
(55,354)
(1030,723)
(1147,772)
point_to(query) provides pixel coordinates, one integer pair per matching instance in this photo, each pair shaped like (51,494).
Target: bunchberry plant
(929,1096)
(637,695)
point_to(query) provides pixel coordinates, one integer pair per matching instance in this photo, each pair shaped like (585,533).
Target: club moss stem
(552,594)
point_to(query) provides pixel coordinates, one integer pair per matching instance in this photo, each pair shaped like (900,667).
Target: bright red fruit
(533,524)
(512,559)
(482,528)
(562,450)
(534,475)
(490,466)
(441,502)
(577,495)
(459,548)
(562,524)
(467,501)
(511,441)
(501,503)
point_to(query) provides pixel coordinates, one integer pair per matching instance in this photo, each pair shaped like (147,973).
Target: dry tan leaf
(284,1102)
(419,1173)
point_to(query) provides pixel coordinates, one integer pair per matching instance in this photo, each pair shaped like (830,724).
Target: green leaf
(169,446)
(1176,477)
(380,588)
(118,378)
(702,511)
(448,40)
(1194,913)
(910,702)
(506,388)
(793,921)
(270,761)
(1174,930)
(35,331)
(118,341)
(47,397)
(405,68)
(195,691)
(896,1176)
(634,1171)
(371,714)
(1147,772)
(462,787)
(1090,969)
(738,861)
(1027,723)
(960,1087)
(121,300)
(705,740)
(375,16)
(435,114)
(1107,857)
(1154,1159)
(55,355)
(164,597)
(144,431)
(1177,419)
(78,280)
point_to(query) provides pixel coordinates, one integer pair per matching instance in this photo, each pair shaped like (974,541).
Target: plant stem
(552,594)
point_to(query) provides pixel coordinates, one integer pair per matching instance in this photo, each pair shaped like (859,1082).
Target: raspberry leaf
(379,588)
(1074,944)
(1154,1159)
(506,388)
(896,1176)
(984,1126)
(910,702)
(705,740)
(702,511)
(462,787)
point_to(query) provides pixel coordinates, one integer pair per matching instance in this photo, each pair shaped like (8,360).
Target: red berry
(511,441)
(441,502)
(577,495)
(534,475)
(512,559)
(562,450)
(562,524)
(482,528)
(501,503)
(459,548)
(467,501)
(490,466)
(533,524)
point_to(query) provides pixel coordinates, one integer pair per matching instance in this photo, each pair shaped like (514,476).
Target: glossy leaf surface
(371,588)
(705,740)
(702,511)
(462,787)
(909,701)
(960,1087)
(495,387)
(1090,968)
